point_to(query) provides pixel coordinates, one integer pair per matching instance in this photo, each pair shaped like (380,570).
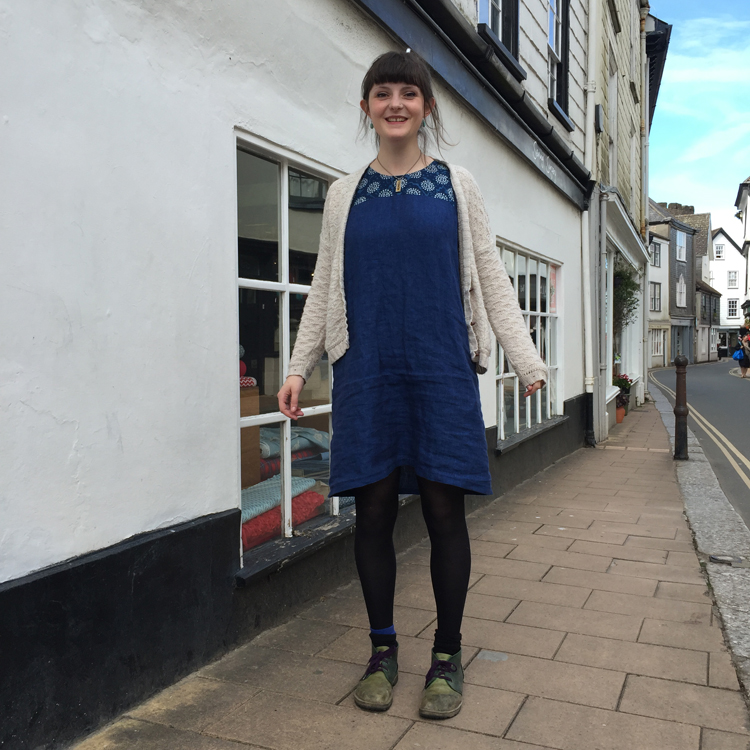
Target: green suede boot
(375,690)
(442,696)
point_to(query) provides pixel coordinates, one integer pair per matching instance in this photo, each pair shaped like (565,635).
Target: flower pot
(620,412)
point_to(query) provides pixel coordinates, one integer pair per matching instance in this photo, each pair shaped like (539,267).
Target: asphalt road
(720,400)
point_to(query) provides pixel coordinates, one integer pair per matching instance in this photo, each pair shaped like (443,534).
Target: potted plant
(622,400)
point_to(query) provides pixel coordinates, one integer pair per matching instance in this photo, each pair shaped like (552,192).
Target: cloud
(700,141)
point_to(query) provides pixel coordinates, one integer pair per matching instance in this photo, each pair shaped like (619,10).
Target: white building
(162,165)
(658,302)
(728,270)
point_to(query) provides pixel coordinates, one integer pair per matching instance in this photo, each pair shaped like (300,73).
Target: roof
(701,222)
(720,231)
(657,42)
(700,284)
(743,186)
(660,214)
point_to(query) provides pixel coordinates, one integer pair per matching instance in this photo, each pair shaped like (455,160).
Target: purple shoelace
(439,670)
(376,661)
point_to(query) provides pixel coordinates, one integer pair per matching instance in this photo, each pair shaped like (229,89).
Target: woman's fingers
(533,388)
(289,398)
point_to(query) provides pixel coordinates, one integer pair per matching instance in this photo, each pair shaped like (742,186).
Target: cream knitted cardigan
(489,299)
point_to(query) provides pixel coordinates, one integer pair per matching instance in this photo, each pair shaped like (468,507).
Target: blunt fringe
(409,68)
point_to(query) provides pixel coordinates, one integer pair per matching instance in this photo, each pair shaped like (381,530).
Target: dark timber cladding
(470,67)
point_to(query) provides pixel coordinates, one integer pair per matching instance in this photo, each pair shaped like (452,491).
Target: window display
(284,464)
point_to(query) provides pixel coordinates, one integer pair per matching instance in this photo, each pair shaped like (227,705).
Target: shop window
(657,349)
(284,464)
(536,284)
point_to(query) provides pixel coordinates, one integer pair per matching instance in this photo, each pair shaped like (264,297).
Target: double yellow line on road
(715,435)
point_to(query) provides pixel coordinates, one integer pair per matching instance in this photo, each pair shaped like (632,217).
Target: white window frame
(681,292)
(733,303)
(680,245)
(285,159)
(718,252)
(733,280)
(655,287)
(657,339)
(552,406)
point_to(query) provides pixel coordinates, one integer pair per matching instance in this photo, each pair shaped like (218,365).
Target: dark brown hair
(409,68)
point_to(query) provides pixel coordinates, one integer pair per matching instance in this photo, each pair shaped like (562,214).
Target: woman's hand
(533,388)
(289,397)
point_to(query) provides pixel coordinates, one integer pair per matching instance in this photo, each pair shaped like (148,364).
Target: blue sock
(384,631)
(383,636)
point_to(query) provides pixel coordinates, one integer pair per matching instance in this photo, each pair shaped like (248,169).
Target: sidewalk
(589,626)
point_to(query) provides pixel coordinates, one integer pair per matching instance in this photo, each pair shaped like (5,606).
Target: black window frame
(655,286)
(559,103)
(505,45)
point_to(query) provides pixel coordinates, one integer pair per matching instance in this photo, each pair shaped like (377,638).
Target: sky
(699,146)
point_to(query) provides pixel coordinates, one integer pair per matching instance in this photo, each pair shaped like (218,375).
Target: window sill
(560,114)
(504,54)
(272,556)
(503,446)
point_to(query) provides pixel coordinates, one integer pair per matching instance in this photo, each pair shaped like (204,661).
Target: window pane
(259,345)
(495,19)
(553,391)
(532,264)
(552,341)
(544,390)
(261,484)
(521,287)
(534,329)
(509,258)
(533,405)
(509,406)
(317,389)
(310,462)
(542,287)
(307,195)
(257,217)
(542,339)
(554,272)
(522,409)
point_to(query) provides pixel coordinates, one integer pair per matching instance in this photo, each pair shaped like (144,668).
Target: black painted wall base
(83,641)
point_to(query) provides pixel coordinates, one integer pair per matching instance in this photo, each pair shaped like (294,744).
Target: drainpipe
(644,192)
(605,315)
(586,249)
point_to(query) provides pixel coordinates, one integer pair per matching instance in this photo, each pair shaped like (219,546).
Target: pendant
(398,185)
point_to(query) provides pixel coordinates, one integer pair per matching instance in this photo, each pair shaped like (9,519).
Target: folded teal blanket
(302,437)
(266,495)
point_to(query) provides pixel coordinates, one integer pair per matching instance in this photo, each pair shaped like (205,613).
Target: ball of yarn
(242,351)
(243,368)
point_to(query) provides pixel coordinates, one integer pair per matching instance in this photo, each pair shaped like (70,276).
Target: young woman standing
(407,284)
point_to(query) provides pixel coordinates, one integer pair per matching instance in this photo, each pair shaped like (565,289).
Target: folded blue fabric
(302,437)
(266,495)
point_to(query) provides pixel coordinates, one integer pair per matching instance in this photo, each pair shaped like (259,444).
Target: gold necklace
(399,179)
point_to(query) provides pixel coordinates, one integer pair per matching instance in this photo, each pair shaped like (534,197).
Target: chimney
(678,209)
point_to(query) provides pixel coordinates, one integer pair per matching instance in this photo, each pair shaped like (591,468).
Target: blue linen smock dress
(405,393)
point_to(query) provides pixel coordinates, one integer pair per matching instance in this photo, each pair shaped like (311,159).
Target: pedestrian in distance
(407,288)
(743,348)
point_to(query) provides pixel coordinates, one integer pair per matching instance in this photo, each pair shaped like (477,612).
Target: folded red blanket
(268,525)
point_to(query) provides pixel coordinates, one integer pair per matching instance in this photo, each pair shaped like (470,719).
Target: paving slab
(566,726)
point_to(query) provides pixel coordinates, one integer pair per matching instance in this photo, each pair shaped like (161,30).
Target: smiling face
(396,110)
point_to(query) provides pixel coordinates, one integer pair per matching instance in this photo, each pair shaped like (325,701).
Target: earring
(371,125)
(424,123)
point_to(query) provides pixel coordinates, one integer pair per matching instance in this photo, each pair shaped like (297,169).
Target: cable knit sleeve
(310,343)
(498,294)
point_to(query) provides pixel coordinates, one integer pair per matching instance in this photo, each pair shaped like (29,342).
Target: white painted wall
(119,394)
(719,274)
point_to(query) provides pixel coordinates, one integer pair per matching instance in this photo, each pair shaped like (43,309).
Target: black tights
(450,558)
